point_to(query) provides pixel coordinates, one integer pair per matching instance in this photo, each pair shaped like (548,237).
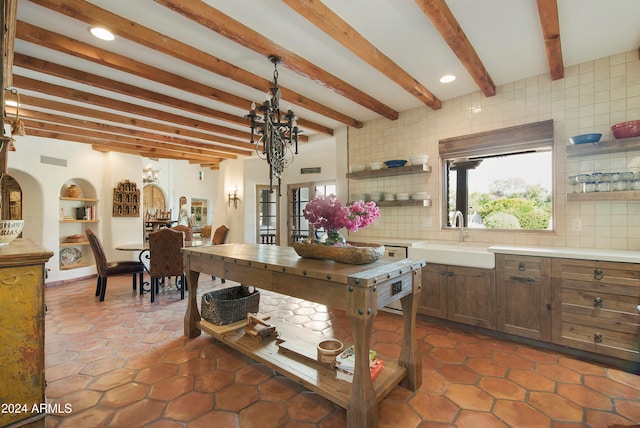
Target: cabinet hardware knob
(597,302)
(450,273)
(521,267)
(443,272)
(597,338)
(597,274)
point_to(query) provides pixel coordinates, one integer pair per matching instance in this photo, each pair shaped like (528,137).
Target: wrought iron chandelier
(277,133)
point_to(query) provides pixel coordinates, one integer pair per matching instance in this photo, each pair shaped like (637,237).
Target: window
(500,179)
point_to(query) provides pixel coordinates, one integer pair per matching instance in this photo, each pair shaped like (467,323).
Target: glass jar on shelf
(603,186)
(582,180)
(590,186)
(619,185)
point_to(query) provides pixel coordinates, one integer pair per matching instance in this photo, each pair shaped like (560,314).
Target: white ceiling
(506,35)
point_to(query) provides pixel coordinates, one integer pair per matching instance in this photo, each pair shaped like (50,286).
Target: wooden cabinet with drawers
(596,307)
(523,296)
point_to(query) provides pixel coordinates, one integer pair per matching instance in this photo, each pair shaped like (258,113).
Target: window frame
(532,137)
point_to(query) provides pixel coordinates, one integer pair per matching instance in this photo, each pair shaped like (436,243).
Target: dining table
(157,224)
(144,254)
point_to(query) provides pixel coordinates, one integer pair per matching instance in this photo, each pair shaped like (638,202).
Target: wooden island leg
(192,316)
(409,355)
(363,405)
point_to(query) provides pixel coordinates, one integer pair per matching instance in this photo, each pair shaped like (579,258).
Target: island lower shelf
(312,375)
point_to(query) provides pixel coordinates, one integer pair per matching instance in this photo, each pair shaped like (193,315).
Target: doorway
(11,199)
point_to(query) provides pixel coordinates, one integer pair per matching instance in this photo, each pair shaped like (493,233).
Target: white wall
(41,185)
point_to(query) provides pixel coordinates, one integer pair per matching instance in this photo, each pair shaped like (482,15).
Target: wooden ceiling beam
(67,73)
(329,22)
(205,15)
(130,30)
(61,124)
(8,39)
(89,98)
(59,133)
(548,11)
(28,100)
(60,43)
(443,20)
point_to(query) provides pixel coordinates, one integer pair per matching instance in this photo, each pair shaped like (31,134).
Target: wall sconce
(233,196)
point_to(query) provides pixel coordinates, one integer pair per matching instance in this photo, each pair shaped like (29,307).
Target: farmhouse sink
(468,254)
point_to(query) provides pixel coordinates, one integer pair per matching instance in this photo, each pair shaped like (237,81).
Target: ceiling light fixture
(447,78)
(102,33)
(276,133)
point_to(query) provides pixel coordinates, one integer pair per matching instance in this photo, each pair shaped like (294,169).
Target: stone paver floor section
(126,363)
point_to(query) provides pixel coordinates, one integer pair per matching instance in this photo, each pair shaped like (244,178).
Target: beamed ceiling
(181,74)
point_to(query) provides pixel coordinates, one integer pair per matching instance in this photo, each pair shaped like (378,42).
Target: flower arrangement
(329,213)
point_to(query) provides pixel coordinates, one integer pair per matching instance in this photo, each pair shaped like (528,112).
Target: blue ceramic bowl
(395,163)
(585,138)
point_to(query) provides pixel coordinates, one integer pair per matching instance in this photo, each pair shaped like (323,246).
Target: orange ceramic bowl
(626,129)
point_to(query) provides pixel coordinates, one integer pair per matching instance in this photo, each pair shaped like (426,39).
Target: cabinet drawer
(597,272)
(597,308)
(522,268)
(606,338)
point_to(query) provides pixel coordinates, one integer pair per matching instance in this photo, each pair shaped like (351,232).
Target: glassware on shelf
(603,186)
(582,181)
(628,176)
(619,185)
(635,184)
(590,186)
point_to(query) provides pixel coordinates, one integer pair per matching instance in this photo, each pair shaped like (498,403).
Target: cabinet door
(523,293)
(22,351)
(471,296)
(433,296)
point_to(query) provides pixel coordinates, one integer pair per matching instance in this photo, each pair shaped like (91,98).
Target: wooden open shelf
(75,266)
(73,244)
(389,172)
(311,374)
(604,196)
(603,147)
(78,221)
(66,198)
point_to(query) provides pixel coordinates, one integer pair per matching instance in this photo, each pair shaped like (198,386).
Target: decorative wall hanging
(126,200)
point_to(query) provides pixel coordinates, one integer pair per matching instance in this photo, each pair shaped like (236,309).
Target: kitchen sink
(470,254)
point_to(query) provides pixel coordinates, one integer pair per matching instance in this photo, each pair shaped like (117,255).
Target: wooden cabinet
(457,293)
(595,307)
(394,172)
(523,296)
(22,380)
(433,296)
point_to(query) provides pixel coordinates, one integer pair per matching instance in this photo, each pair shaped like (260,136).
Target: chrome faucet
(458,217)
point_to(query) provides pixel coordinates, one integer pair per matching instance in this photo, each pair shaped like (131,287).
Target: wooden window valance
(515,139)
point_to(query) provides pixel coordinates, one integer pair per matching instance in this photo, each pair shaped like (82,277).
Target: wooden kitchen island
(358,289)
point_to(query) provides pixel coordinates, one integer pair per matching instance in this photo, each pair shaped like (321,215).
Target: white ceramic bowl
(9,230)
(402,196)
(376,165)
(419,159)
(357,167)
(389,197)
(376,195)
(421,195)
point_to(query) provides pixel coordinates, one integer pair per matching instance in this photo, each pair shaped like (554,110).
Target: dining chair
(165,259)
(106,268)
(188,231)
(219,237)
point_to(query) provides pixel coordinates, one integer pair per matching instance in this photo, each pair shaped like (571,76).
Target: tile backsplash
(590,98)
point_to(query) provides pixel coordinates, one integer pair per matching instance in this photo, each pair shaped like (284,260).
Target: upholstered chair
(188,231)
(165,259)
(106,269)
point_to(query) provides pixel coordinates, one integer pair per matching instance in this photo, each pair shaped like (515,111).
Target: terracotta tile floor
(126,363)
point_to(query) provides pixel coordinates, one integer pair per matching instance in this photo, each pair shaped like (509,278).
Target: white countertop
(626,256)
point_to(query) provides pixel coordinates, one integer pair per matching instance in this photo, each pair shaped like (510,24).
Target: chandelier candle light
(277,133)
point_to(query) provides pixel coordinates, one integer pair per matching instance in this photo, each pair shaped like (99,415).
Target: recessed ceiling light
(447,78)
(102,33)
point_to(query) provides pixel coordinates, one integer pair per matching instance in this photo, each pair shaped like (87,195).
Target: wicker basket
(229,305)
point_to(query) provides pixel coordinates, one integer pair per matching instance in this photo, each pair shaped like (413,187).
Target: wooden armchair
(106,269)
(163,215)
(165,259)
